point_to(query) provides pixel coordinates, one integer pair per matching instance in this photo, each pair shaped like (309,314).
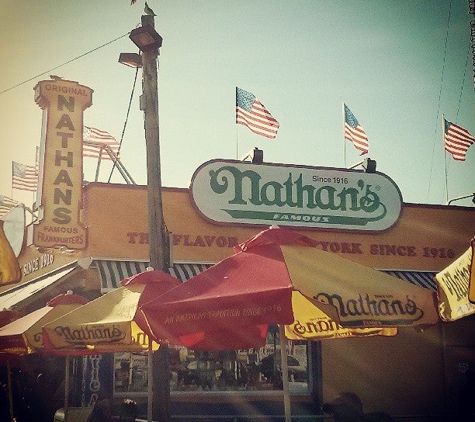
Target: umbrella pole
(66,389)
(285,373)
(10,392)
(150,380)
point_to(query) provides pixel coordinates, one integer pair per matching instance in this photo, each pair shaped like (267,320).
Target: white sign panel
(230,191)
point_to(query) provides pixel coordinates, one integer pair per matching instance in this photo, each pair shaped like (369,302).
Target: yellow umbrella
(24,335)
(310,323)
(456,287)
(107,324)
(362,296)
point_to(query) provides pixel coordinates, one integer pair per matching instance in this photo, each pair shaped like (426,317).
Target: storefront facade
(417,374)
(88,238)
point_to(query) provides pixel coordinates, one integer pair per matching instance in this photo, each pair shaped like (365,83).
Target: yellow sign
(452,284)
(471,284)
(60,193)
(9,266)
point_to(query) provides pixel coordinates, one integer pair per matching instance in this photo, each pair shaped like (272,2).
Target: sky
(398,65)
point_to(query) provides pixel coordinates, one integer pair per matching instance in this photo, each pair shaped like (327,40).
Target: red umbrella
(230,305)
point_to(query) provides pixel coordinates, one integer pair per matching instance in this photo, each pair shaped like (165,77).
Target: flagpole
(98,164)
(446,178)
(344,140)
(237,142)
(37,171)
(445,160)
(11,190)
(237,126)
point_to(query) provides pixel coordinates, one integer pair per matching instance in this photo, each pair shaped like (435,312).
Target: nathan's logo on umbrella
(455,287)
(38,338)
(239,192)
(366,310)
(91,334)
(311,323)
(327,328)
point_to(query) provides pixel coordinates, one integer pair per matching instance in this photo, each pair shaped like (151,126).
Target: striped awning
(419,278)
(112,272)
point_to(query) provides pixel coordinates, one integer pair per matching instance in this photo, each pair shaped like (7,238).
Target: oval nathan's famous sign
(231,191)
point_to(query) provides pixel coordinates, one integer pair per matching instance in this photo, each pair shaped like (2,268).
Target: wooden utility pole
(158,237)
(158,241)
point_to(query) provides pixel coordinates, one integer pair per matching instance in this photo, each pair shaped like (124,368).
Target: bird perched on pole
(148,10)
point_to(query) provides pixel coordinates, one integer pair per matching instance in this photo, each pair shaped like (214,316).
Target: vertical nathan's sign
(63,103)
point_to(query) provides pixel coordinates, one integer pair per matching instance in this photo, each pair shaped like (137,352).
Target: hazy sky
(399,66)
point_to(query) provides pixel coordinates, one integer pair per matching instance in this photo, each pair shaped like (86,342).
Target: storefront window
(130,373)
(241,370)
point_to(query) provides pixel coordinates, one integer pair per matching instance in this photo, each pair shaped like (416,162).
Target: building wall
(426,238)
(412,373)
(402,375)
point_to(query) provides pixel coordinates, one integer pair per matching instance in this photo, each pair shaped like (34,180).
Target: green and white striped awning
(112,272)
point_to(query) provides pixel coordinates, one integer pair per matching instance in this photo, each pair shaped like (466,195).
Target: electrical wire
(63,64)
(77,58)
(126,121)
(438,106)
(462,84)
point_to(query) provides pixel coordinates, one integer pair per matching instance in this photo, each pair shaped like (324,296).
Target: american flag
(251,112)
(354,132)
(457,140)
(6,204)
(24,177)
(95,141)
